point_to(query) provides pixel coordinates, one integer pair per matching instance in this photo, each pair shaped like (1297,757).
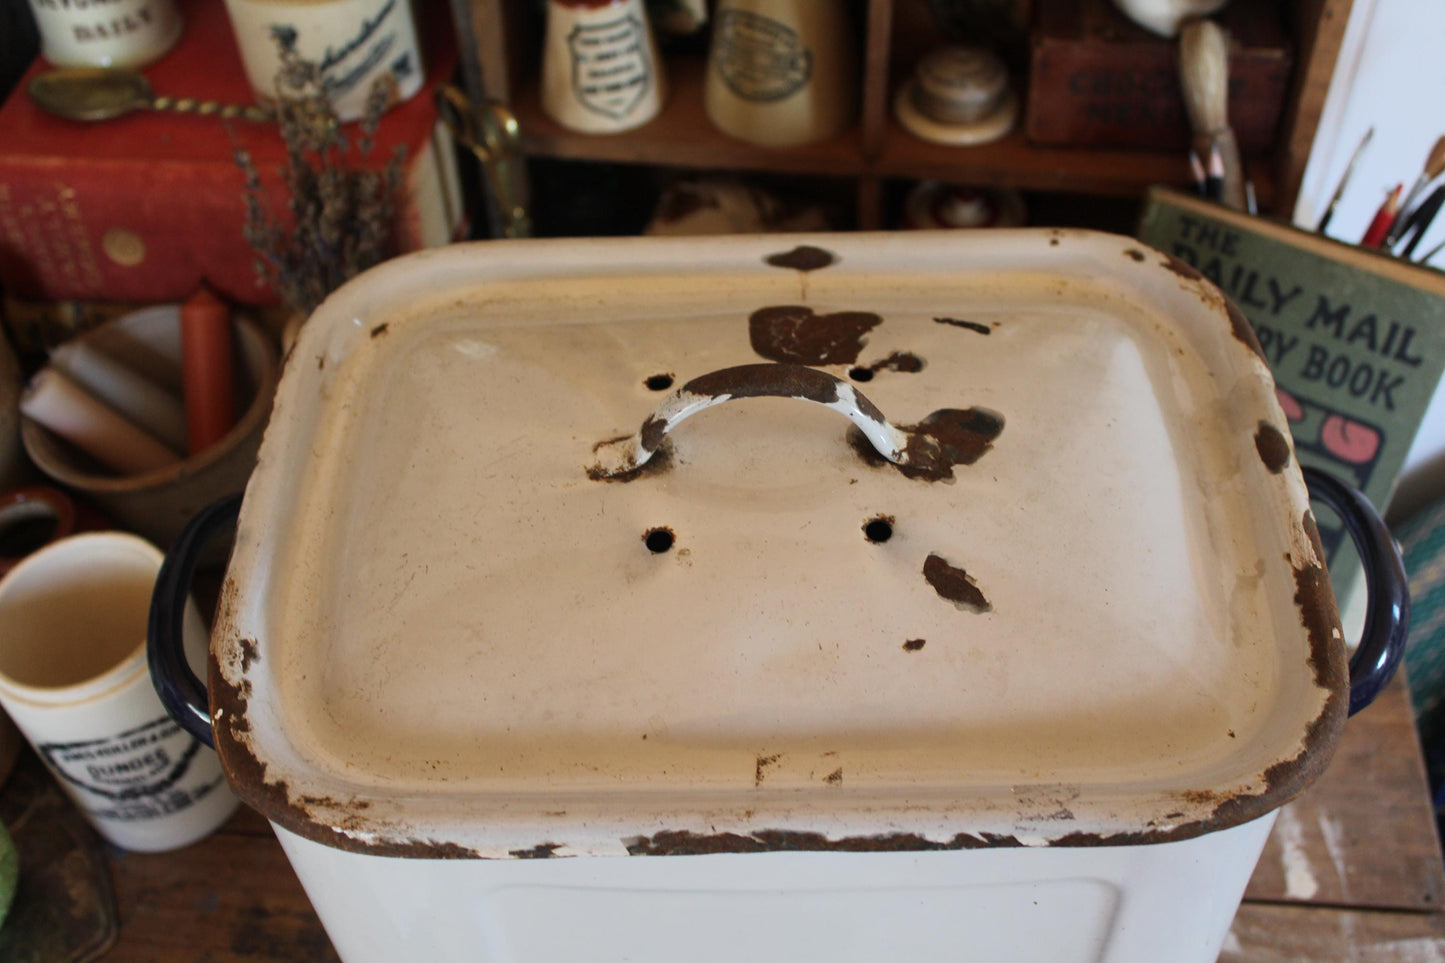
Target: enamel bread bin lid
(868,543)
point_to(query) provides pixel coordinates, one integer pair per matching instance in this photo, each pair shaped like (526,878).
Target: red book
(149,206)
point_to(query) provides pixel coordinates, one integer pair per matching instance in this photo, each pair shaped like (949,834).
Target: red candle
(207,371)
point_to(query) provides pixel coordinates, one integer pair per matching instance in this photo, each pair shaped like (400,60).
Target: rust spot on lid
(312,818)
(803,258)
(1199,797)
(249,655)
(540,851)
(1272,446)
(660,463)
(1136,254)
(1181,268)
(947,438)
(795,334)
(1243,330)
(380,329)
(1053,242)
(760,770)
(955,585)
(834,778)
(902,361)
(966,325)
(913,645)
(1315,599)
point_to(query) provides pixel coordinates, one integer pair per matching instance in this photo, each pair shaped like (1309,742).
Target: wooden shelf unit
(877,149)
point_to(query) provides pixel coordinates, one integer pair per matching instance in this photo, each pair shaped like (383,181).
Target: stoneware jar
(105,33)
(600,69)
(782,72)
(354,42)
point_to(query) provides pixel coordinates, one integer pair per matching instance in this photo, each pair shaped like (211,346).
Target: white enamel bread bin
(985,620)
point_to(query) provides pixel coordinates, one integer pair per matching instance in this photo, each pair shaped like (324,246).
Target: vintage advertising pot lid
(942,540)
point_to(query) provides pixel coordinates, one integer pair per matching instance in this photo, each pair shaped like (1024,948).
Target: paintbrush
(1418,221)
(1204,76)
(1214,176)
(1344,180)
(1201,184)
(1434,166)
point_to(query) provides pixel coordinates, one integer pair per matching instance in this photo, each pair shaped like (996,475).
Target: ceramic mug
(600,69)
(74,678)
(354,42)
(105,33)
(781,72)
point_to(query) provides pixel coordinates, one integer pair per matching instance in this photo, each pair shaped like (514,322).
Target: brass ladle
(101,93)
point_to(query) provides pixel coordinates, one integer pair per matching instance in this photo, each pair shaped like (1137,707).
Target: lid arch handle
(921,451)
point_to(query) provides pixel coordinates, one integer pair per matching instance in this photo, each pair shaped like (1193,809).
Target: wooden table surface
(1352,873)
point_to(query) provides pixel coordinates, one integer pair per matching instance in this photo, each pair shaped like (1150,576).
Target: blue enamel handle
(1387,612)
(183,695)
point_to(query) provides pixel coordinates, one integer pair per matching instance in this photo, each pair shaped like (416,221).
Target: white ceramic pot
(74,678)
(781,73)
(563,592)
(600,70)
(105,33)
(356,43)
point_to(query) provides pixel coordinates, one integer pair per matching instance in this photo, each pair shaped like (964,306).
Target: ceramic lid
(464,618)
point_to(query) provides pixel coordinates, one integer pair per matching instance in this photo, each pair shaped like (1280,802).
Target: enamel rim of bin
(440,637)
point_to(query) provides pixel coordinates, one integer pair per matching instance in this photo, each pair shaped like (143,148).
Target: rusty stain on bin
(249,654)
(955,585)
(540,851)
(804,258)
(1272,446)
(904,362)
(760,770)
(795,334)
(975,326)
(947,438)
(685,843)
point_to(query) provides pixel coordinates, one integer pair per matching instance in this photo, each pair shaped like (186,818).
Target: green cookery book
(1355,338)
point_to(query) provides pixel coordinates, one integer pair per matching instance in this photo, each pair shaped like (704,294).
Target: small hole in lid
(659,382)
(658,540)
(861,374)
(878,530)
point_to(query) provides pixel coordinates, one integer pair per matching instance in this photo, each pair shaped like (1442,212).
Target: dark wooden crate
(1096,79)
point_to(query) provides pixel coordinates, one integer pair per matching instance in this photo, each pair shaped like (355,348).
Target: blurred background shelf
(876,151)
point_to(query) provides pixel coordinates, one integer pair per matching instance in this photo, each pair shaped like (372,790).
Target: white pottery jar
(354,42)
(781,72)
(600,69)
(105,33)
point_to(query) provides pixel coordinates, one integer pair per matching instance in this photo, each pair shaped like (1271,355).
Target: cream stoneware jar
(74,678)
(600,70)
(105,33)
(355,42)
(781,72)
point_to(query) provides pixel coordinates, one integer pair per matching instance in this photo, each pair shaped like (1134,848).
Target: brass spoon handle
(213,108)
